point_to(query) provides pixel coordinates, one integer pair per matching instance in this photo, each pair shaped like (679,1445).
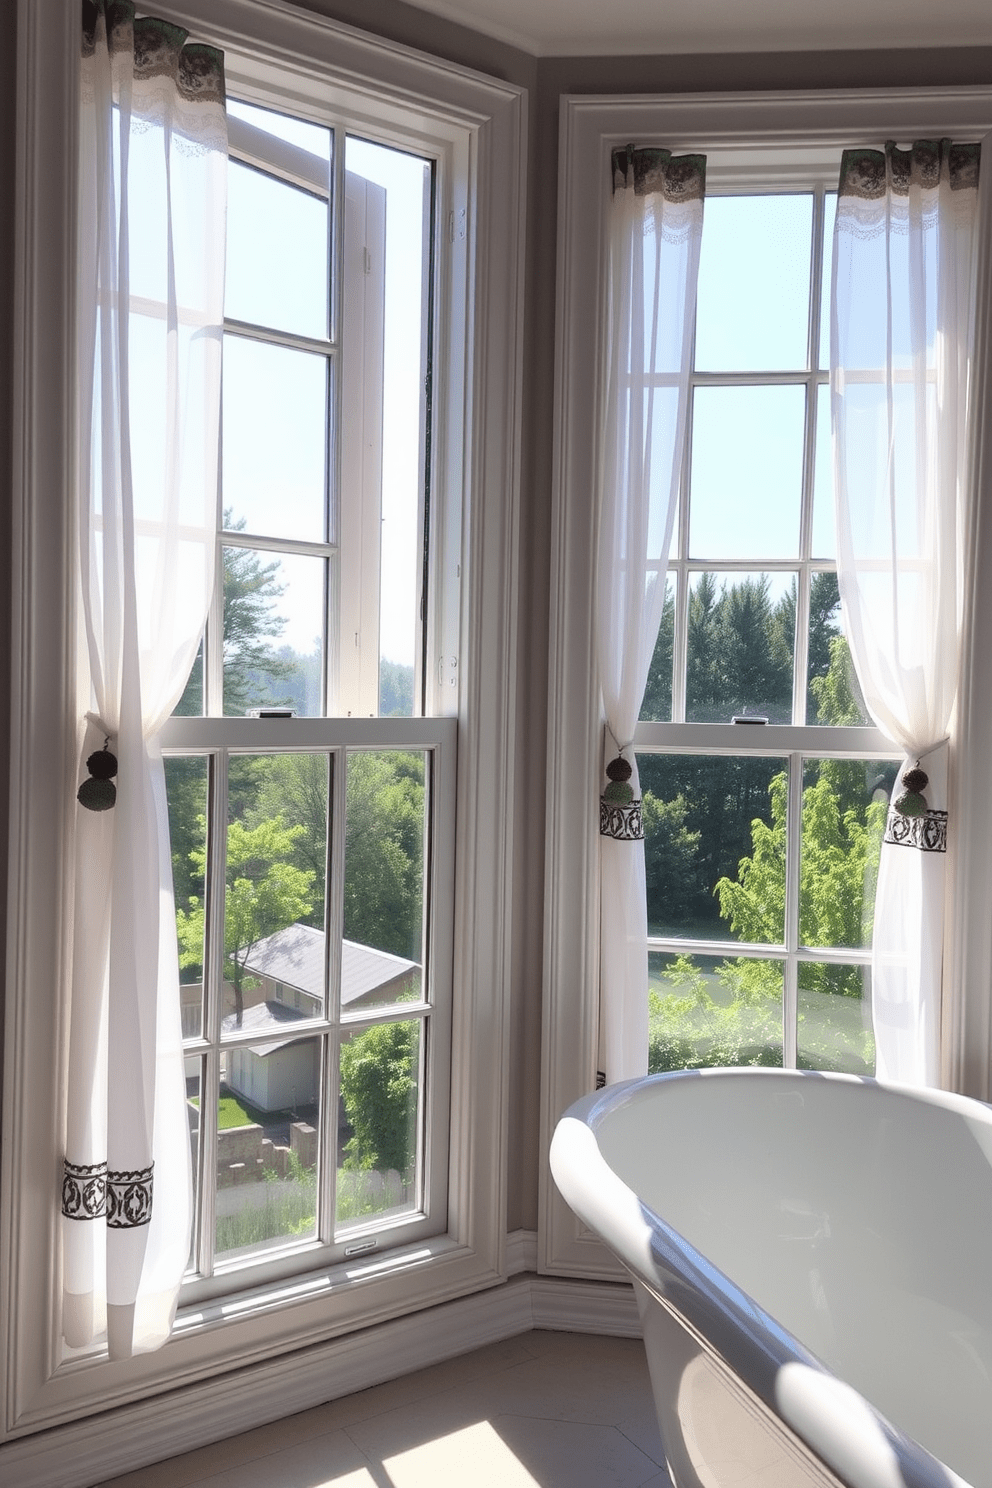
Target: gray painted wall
(545,79)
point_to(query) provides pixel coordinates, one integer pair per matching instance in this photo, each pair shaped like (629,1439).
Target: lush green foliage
(732,1014)
(379,1089)
(384,852)
(265,893)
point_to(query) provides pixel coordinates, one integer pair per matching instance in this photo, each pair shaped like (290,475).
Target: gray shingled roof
(262,1017)
(295,956)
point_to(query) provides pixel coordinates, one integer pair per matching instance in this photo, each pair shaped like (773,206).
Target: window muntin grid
(697,685)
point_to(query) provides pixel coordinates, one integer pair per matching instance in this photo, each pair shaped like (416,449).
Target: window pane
(656,706)
(186,779)
(835,1029)
(714,846)
(383,878)
(311,137)
(379,1148)
(273,630)
(274,902)
(385,325)
(833,693)
(194,1087)
(190,705)
(707,1010)
(268,1118)
(747,471)
(277,254)
(275,440)
(824,536)
(740,646)
(829,217)
(754,284)
(844,809)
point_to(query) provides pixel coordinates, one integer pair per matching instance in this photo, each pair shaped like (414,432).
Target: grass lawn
(233,1112)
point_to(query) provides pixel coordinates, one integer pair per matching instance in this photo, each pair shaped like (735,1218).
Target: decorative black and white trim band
(623,823)
(96,1192)
(129,1198)
(927,833)
(84,1190)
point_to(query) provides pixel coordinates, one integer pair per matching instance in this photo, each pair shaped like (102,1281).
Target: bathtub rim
(849,1435)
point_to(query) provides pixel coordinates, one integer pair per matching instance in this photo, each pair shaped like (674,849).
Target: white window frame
(746,138)
(336,732)
(477,125)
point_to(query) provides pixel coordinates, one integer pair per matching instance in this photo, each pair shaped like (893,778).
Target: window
(761,856)
(765,156)
(438,1237)
(314,934)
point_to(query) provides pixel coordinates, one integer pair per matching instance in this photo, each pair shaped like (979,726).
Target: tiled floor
(544,1410)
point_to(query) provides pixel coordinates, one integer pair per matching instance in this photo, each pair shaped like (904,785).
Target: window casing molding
(477,125)
(778,141)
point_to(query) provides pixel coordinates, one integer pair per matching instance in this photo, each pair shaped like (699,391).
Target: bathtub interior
(859,1218)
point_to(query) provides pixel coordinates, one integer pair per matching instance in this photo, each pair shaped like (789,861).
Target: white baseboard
(85,1452)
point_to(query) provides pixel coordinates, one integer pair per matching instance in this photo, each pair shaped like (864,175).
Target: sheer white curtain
(655,231)
(152,210)
(901,354)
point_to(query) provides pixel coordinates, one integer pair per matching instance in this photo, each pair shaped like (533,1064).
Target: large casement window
(764,788)
(340,887)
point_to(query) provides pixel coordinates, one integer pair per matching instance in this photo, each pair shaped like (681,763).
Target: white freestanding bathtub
(812,1256)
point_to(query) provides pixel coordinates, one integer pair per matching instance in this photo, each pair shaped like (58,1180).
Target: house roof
(295,956)
(262,1017)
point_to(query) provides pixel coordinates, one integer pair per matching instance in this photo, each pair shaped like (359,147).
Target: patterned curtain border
(622,823)
(927,833)
(129,1198)
(84,1190)
(678,178)
(94,1191)
(870,174)
(160,49)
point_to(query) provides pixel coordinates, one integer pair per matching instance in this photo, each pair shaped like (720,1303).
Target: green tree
(671,850)
(702,681)
(841,832)
(384,851)
(251,665)
(753,677)
(265,893)
(657,702)
(395,689)
(252,668)
(295,787)
(379,1090)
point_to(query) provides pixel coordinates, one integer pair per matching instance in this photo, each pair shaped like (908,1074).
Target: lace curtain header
(156,49)
(869,174)
(678,178)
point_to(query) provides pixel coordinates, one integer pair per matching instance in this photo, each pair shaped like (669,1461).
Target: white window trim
(787,129)
(483,121)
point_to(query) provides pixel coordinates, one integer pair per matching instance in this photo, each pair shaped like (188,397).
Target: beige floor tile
(604,1386)
(319,1462)
(544,1409)
(425,1384)
(642,1430)
(571,1454)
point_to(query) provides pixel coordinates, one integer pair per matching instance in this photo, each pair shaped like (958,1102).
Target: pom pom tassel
(99,793)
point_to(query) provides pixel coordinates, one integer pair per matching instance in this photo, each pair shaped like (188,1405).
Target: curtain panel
(655,230)
(151,253)
(902,323)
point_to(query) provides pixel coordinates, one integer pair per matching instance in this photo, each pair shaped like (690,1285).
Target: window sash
(436,739)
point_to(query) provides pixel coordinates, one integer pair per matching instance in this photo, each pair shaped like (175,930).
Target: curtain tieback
(619,811)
